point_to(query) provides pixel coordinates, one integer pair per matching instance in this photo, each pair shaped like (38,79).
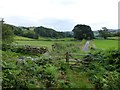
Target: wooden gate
(77,61)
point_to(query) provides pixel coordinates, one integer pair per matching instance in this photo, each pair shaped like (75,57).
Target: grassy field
(106,44)
(45,43)
(19,38)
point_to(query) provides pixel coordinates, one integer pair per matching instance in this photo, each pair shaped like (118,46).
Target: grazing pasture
(19,38)
(47,42)
(106,44)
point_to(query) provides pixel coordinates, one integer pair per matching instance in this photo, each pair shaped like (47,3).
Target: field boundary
(76,60)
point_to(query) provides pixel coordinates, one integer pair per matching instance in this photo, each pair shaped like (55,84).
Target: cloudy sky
(61,15)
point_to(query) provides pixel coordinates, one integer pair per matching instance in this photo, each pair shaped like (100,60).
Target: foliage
(103,69)
(83,32)
(26,49)
(34,32)
(51,33)
(40,72)
(104,33)
(44,42)
(26,70)
(30,34)
(7,34)
(51,74)
(68,47)
(24,32)
(18,31)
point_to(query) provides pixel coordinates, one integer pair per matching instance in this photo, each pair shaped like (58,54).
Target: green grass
(54,39)
(45,43)
(35,43)
(106,44)
(48,42)
(19,38)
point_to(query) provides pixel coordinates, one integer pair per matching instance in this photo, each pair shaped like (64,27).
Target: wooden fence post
(67,57)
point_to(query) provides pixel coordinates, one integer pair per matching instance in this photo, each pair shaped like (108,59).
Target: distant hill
(49,32)
(36,32)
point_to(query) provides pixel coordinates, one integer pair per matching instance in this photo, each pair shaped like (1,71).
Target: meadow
(106,44)
(44,42)
(48,42)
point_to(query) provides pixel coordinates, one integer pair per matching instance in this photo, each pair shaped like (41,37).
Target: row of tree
(85,32)
(79,32)
(40,31)
(48,32)
(105,33)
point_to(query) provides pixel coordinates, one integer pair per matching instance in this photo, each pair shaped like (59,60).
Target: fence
(76,60)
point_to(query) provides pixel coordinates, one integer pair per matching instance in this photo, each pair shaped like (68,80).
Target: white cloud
(96,13)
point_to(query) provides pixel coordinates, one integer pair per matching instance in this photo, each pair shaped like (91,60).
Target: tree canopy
(48,32)
(83,32)
(30,34)
(104,32)
(7,33)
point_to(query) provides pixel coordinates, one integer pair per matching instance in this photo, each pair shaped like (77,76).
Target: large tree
(104,32)
(83,32)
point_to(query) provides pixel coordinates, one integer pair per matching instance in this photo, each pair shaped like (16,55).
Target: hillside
(36,32)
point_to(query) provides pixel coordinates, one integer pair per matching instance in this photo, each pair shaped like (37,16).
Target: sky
(61,15)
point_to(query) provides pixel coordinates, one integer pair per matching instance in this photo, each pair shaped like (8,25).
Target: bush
(6,47)
(30,34)
(104,69)
(26,49)
(51,74)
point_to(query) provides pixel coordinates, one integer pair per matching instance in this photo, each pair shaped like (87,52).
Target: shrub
(26,49)
(104,69)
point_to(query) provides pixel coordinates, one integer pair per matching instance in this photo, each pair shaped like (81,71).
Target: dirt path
(86,47)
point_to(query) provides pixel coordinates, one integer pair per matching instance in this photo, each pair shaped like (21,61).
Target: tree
(104,32)
(83,32)
(30,34)
(18,31)
(7,34)
(48,32)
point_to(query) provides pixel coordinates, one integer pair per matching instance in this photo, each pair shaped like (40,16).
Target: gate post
(67,57)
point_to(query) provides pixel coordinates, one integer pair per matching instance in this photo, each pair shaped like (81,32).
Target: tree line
(48,32)
(37,32)
(79,32)
(105,33)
